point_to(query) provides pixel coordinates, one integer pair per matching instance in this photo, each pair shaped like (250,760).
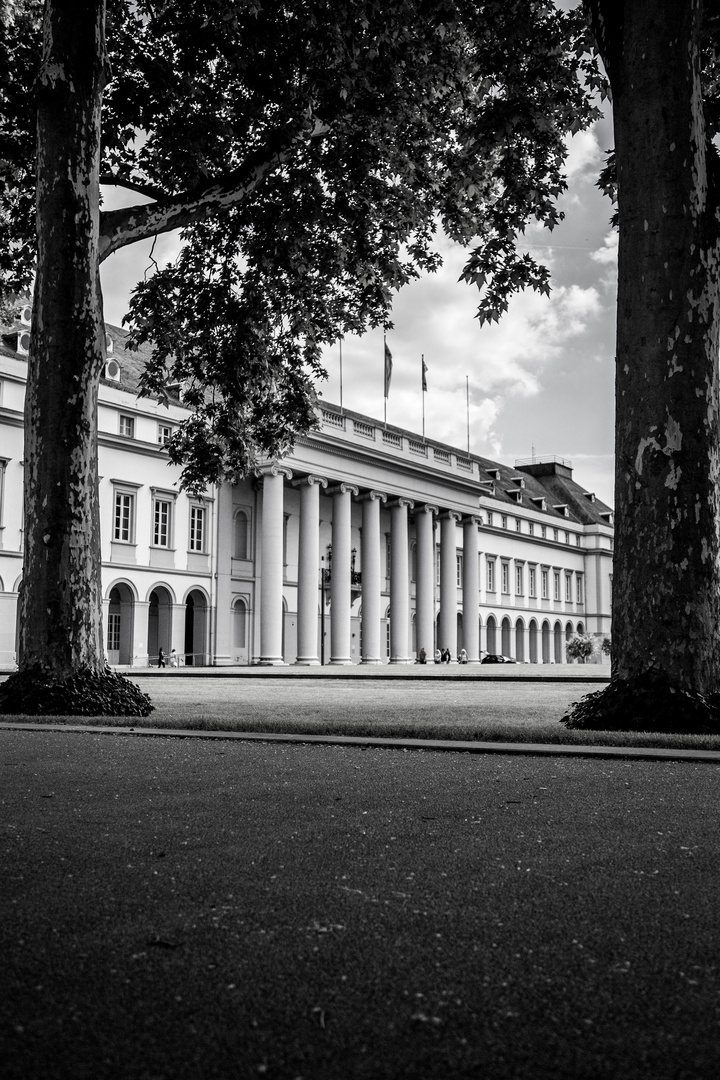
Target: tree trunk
(61,595)
(666,584)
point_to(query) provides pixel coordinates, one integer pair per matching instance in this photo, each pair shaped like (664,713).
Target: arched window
(491,635)
(241,540)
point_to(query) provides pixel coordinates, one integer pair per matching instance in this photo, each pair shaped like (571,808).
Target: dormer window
(562,508)
(539,502)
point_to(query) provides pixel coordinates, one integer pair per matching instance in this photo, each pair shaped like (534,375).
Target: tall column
(399,582)
(425,581)
(308,567)
(471,596)
(340,599)
(271,573)
(448,582)
(371,577)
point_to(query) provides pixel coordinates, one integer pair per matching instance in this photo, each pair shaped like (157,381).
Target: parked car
(496,658)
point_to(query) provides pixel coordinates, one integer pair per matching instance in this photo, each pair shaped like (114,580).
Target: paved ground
(175,909)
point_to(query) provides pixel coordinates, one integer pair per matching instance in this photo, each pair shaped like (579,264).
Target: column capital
(450,515)
(273,469)
(400,501)
(372,496)
(341,489)
(426,508)
(471,519)
(308,481)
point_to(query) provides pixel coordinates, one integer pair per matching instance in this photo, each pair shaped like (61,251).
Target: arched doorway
(119,630)
(159,624)
(568,635)
(533,642)
(506,631)
(460,640)
(195,628)
(239,620)
(557,634)
(546,642)
(520,641)
(491,634)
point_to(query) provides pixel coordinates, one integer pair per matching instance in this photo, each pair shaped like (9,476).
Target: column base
(271,661)
(401,660)
(307,661)
(372,660)
(338,660)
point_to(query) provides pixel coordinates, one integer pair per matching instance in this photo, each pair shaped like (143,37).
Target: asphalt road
(197,909)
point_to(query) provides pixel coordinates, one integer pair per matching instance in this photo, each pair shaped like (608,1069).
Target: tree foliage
(307,152)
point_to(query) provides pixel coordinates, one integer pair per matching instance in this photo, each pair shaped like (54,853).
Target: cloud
(584,155)
(607,254)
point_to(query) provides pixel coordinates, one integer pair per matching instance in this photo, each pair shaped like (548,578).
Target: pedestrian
(173,659)
(462,658)
(161,658)
(422,657)
(446,656)
(438,656)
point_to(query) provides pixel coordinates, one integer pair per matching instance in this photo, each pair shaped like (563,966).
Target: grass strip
(482,730)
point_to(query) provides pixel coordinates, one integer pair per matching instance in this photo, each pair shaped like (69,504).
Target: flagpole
(341,388)
(467,404)
(422,388)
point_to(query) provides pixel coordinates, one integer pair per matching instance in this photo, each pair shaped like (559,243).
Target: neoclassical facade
(364,545)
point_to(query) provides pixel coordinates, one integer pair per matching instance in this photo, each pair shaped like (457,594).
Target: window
(531,528)
(162,517)
(491,575)
(124,522)
(544,584)
(503,521)
(164,433)
(567,537)
(127,426)
(518,525)
(113,634)
(577,539)
(489,517)
(3,466)
(579,589)
(458,570)
(532,582)
(556,585)
(568,588)
(241,545)
(505,572)
(197,528)
(519,583)
(543,531)
(555,534)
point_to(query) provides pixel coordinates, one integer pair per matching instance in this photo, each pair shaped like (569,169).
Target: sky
(540,382)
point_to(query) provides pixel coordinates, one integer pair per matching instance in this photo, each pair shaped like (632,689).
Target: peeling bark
(666,585)
(61,595)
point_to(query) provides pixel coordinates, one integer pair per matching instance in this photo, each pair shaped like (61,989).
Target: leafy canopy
(307,151)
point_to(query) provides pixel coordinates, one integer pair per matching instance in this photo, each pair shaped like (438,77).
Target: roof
(546,485)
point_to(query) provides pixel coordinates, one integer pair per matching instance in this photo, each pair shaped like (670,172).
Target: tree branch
(118,228)
(152,192)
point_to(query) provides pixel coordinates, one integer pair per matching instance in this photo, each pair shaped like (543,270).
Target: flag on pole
(424,374)
(388,369)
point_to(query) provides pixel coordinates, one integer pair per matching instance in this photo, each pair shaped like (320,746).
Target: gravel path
(211,909)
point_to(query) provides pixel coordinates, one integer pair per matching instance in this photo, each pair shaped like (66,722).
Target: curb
(650,753)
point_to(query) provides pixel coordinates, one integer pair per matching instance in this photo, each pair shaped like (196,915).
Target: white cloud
(607,254)
(584,154)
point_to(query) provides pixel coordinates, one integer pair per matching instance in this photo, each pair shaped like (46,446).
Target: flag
(388,369)
(424,373)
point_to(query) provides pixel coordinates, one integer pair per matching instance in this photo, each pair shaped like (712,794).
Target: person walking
(161,658)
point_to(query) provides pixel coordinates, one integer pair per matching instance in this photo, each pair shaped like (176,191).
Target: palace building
(364,545)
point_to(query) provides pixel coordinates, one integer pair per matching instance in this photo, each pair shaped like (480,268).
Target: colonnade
(342,494)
